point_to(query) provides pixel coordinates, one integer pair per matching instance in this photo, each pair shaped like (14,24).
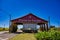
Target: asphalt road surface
(5,35)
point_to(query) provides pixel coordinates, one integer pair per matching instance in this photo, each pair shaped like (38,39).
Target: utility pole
(4,27)
(58,23)
(49,21)
(9,19)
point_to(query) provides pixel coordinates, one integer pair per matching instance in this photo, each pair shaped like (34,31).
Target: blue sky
(40,8)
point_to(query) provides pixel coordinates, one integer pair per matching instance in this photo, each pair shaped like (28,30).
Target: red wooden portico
(29,23)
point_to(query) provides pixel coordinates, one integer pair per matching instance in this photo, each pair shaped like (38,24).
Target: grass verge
(25,36)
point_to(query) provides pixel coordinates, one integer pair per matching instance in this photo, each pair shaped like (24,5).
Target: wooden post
(46,27)
(40,27)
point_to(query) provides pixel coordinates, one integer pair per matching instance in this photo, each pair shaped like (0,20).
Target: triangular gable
(30,17)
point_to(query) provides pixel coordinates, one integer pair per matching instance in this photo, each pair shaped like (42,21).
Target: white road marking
(3,39)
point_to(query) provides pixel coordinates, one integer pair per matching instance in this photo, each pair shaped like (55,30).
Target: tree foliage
(13,28)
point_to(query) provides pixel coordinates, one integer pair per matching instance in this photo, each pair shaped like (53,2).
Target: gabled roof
(30,16)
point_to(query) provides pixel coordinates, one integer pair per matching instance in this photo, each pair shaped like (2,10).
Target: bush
(50,35)
(1,29)
(4,29)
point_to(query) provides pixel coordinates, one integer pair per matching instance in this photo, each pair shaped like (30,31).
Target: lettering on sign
(30,20)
